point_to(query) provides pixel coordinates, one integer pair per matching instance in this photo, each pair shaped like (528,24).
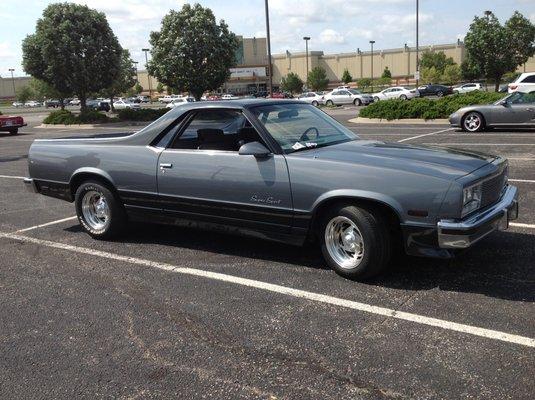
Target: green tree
(292,83)
(451,75)
(430,75)
(438,60)
(160,87)
(346,77)
(73,49)
(138,88)
(317,79)
(42,90)
(24,94)
(125,79)
(364,83)
(469,70)
(192,52)
(496,49)
(386,73)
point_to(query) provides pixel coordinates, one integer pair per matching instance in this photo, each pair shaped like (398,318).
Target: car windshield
(299,127)
(355,91)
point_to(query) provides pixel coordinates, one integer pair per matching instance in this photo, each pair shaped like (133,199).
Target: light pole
(306,39)
(417,42)
(371,43)
(137,74)
(13,82)
(148,76)
(268,36)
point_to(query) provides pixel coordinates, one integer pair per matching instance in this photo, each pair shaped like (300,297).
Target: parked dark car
(98,105)
(281,170)
(434,90)
(52,103)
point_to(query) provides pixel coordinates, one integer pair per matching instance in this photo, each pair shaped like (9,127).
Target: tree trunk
(83,103)
(62,103)
(497,81)
(111,104)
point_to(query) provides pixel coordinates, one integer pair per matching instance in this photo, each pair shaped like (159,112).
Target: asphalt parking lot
(171,312)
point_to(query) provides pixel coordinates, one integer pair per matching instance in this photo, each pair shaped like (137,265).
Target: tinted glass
(522,98)
(300,126)
(355,91)
(529,79)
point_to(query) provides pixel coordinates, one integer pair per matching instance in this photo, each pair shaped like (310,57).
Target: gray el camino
(280,170)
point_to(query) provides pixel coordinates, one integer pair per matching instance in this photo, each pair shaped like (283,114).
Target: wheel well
(390,215)
(82,177)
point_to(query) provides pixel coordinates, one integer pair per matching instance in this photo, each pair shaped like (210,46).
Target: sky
(333,25)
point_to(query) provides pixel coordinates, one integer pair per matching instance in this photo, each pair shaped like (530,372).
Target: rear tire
(329,103)
(440,94)
(99,210)
(376,99)
(403,97)
(355,241)
(13,132)
(315,103)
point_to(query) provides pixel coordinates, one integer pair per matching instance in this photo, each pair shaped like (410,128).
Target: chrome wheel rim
(472,122)
(344,242)
(95,210)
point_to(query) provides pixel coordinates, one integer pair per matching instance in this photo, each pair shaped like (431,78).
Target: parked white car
(121,105)
(168,98)
(229,97)
(347,96)
(467,87)
(74,102)
(312,98)
(32,103)
(18,104)
(524,83)
(180,101)
(396,92)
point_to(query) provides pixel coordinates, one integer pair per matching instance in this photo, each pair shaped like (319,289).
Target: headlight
(471,199)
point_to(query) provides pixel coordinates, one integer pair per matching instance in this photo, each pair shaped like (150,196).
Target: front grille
(492,188)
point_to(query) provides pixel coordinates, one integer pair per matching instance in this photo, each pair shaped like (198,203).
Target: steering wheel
(304,136)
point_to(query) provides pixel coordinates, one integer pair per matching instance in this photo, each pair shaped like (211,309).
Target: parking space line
(11,177)
(425,134)
(519,225)
(288,291)
(59,221)
(479,144)
(522,180)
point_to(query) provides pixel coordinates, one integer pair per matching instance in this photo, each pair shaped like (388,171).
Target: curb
(408,121)
(92,126)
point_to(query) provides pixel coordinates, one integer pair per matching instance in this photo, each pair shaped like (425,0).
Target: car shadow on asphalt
(499,266)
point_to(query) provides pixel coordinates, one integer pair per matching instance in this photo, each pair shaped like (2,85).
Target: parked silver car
(347,96)
(313,98)
(280,170)
(515,110)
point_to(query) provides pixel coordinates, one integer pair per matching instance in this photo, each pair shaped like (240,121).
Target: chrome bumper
(463,234)
(30,185)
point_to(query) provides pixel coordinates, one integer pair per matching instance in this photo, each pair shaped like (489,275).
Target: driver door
(201,176)
(520,111)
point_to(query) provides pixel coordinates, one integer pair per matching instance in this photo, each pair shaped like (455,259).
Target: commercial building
(250,73)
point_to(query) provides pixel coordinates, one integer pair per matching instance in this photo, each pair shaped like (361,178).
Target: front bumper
(464,233)
(30,185)
(455,120)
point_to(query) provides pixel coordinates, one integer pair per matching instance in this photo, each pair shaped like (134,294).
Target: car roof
(238,103)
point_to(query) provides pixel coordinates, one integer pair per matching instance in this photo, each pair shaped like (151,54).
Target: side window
(224,130)
(529,79)
(344,92)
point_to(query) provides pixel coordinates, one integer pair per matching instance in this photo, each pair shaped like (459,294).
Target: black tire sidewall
(329,103)
(374,235)
(357,102)
(117,216)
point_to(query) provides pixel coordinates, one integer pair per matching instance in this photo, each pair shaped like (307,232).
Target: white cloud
(330,36)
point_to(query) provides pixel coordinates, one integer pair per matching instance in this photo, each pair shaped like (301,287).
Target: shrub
(144,114)
(65,117)
(426,108)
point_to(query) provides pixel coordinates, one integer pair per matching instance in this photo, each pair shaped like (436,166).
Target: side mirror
(504,103)
(256,149)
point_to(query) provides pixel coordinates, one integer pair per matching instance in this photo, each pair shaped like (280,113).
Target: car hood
(442,162)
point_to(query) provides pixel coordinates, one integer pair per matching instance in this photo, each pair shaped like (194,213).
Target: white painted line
(425,134)
(480,144)
(11,177)
(520,158)
(59,221)
(522,180)
(317,297)
(518,225)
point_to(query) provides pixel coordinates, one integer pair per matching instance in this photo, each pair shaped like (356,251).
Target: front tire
(376,99)
(473,122)
(329,103)
(403,97)
(99,211)
(357,102)
(315,103)
(13,132)
(355,241)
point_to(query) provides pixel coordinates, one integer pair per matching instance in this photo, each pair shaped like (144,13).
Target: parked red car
(11,124)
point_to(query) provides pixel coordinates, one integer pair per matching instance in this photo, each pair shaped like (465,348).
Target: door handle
(166,165)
